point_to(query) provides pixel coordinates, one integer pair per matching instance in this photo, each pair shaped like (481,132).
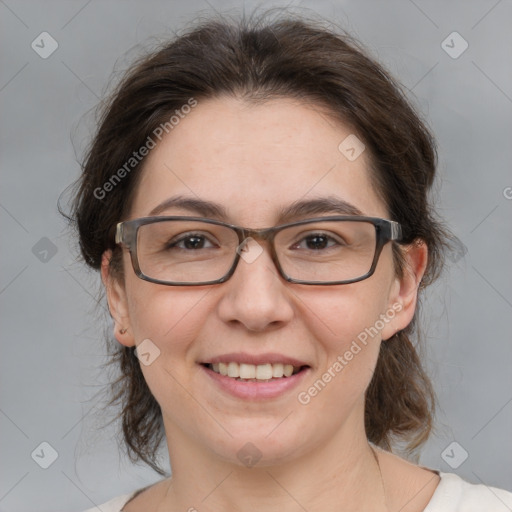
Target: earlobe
(404,296)
(117,302)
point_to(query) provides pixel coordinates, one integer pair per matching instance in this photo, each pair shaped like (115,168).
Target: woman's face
(255,161)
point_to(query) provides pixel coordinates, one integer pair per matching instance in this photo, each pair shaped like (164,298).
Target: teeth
(251,371)
(263,371)
(233,370)
(247,371)
(223,368)
(278,370)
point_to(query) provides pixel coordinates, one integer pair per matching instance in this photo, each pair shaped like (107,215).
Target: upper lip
(256,359)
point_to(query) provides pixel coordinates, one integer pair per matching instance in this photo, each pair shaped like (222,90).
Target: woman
(256,199)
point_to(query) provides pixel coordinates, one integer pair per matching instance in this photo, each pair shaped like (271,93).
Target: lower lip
(256,390)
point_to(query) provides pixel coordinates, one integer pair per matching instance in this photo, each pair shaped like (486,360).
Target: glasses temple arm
(396,230)
(119,233)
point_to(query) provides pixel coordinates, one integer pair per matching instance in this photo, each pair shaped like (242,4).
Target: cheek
(171,319)
(347,322)
(346,354)
(347,333)
(339,315)
(160,312)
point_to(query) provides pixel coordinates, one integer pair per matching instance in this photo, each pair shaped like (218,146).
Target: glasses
(193,251)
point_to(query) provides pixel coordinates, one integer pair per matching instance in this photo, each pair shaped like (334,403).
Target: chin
(269,442)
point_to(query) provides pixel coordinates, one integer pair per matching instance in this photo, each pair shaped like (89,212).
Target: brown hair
(258,60)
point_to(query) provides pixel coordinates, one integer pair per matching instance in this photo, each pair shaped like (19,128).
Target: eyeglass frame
(385,231)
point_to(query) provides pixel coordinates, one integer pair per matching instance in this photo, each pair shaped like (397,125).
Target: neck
(341,475)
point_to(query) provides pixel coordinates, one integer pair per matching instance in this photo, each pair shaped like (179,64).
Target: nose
(255,296)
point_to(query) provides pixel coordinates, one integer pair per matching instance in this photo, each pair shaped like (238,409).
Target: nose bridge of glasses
(252,243)
(262,237)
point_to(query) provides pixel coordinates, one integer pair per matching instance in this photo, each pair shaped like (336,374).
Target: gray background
(51,329)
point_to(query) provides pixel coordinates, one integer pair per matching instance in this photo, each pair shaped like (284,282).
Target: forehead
(254,160)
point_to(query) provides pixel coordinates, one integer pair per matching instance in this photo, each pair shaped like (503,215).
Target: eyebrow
(297,209)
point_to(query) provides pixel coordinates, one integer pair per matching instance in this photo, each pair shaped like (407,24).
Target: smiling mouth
(255,373)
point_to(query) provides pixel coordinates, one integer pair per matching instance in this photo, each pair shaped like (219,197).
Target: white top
(453,494)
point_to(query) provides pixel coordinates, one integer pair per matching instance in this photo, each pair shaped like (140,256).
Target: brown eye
(316,242)
(191,242)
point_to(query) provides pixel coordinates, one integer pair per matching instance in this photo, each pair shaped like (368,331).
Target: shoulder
(413,488)
(453,494)
(146,498)
(115,504)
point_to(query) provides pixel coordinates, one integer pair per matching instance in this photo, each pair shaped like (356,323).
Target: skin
(254,160)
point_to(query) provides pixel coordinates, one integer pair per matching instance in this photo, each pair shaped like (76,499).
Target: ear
(404,292)
(117,302)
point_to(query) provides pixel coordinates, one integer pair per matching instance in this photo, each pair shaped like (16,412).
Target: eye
(191,241)
(316,242)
